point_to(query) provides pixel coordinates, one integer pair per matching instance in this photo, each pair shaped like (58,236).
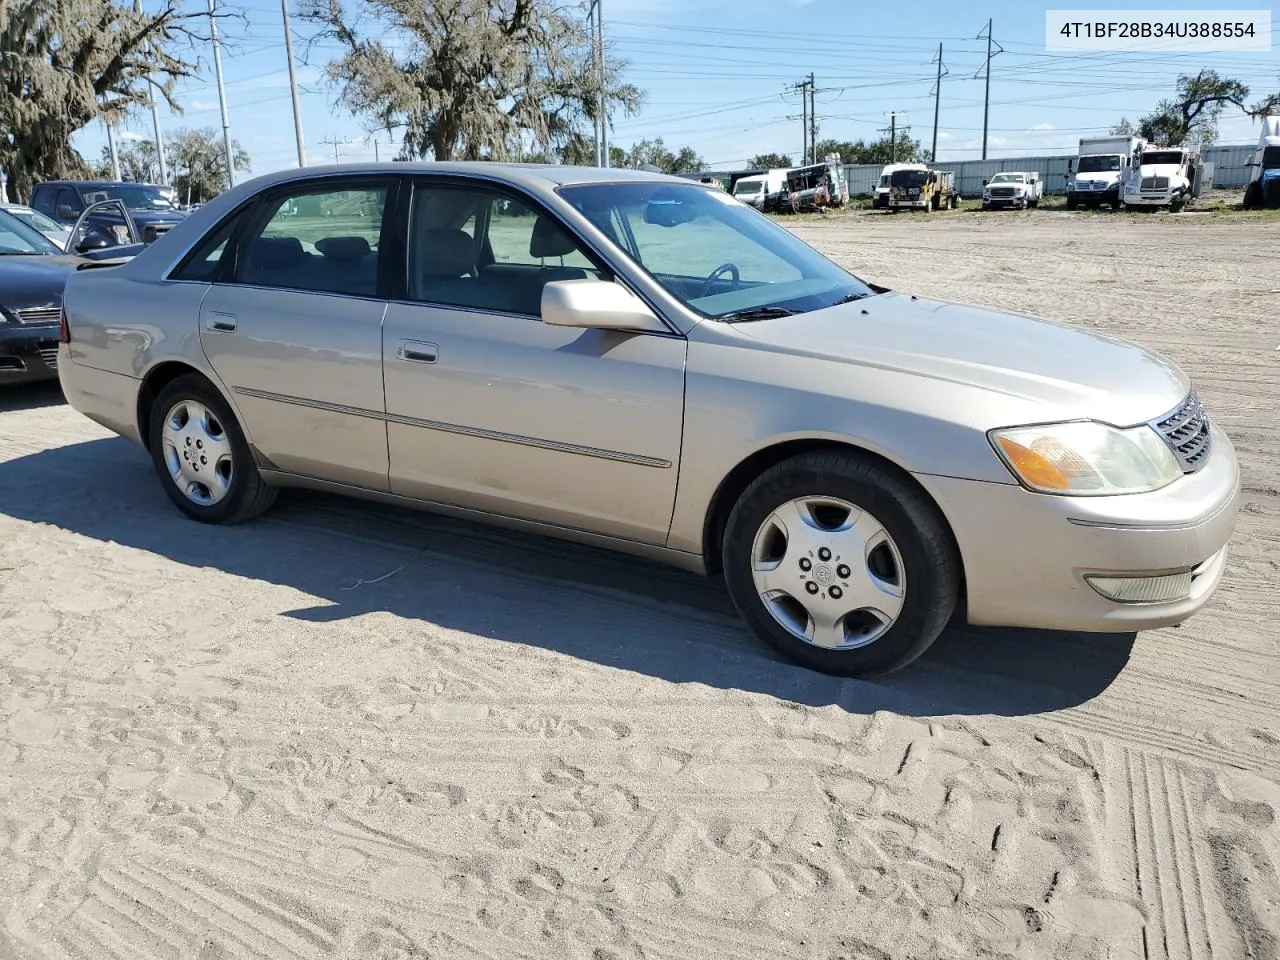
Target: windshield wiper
(756,313)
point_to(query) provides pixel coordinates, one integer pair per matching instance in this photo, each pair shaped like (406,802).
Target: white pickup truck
(1018,190)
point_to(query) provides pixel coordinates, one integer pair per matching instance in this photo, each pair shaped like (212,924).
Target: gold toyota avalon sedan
(645,363)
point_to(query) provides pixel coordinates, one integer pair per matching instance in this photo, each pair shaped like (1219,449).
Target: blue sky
(716,73)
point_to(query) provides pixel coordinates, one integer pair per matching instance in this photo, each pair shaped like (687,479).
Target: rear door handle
(417,351)
(222,322)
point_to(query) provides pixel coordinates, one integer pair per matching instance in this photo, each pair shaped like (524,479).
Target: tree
(66,63)
(1123,129)
(655,153)
(199,162)
(877,152)
(195,157)
(1191,117)
(771,161)
(137,162)
(477,79)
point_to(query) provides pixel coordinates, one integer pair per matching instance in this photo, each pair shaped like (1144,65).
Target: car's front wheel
(840,564)
(202,457)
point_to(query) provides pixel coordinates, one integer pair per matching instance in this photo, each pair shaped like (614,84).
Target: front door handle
(417,351)
(222,322)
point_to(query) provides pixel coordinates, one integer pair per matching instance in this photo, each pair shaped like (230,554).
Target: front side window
(719,257)
(324,240)
(474,248)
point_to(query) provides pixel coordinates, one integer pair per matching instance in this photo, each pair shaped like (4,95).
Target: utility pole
(222,97)
(937,98)
(336,142)
(115,157)
(813,122)
(293,85)
(155,119)
(807,126)
(604,112)
(892,131)
(986,100)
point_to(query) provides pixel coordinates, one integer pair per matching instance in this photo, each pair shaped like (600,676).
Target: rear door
(294,329)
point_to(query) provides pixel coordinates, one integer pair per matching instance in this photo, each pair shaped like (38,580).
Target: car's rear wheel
(840,564)
(201,456)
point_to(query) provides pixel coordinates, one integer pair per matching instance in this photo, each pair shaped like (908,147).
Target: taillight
(64,330)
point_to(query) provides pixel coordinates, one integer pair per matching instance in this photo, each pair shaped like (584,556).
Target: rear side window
(203,264)
(321,239)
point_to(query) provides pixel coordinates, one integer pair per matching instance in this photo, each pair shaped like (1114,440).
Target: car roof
(534,175)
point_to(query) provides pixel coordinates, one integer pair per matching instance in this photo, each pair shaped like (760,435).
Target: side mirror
(67,212)
(93,241)
(597,305)
(985,182)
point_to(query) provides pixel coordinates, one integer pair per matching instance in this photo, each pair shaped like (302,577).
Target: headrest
(446,253)
(275,253)
(550,240)
(344,248)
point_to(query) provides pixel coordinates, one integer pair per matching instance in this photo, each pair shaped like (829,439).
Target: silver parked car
(642,362)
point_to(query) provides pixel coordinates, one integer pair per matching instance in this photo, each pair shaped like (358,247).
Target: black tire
(1072,201)
(932,565)
(1253,196)
(248,494)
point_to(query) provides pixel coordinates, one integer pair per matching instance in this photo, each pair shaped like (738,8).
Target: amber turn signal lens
(1035,469)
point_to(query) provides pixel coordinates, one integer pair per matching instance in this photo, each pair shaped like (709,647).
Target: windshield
(1099,164)
(1161,157)
(908,178)
(748,187)
(1271,157)
(18,239)
(135,197)
(715,255)
(1007,178)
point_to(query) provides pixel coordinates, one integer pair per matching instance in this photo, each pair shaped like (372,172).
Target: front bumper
(1026,555)
(28,353)
(995,203)
(1148,199)
(895,204)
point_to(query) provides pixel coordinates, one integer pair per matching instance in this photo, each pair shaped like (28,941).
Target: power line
(336,142)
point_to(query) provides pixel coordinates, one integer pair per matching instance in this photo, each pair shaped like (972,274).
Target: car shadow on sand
(356,557)
(30,396)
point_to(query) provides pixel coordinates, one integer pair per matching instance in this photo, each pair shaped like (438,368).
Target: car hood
(34,281)
(1066,372)
(1161,169)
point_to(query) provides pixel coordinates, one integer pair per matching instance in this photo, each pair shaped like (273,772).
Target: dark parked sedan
(33,272)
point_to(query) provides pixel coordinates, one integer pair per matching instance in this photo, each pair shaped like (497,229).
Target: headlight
(1086,458)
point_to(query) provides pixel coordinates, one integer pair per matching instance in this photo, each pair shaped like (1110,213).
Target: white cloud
(993,143)
(130,135)
(1041,128)
(943,135)
(204,104)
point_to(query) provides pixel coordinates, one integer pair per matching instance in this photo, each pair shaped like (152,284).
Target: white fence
(1230,170)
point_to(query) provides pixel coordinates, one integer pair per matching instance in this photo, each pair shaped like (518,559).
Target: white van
(762,190)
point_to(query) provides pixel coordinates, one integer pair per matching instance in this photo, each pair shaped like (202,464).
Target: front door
(295,333)
(490,408)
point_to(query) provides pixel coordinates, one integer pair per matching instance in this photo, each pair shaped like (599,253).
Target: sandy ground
(348,731)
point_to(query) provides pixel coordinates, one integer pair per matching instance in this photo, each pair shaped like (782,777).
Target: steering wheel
(729,268)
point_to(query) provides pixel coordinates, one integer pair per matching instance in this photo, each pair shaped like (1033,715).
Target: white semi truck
(1264,185)
(1167,177)
(1103,165)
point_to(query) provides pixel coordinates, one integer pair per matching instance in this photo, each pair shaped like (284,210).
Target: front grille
(1003,191)
(1186,430)
(37,315)
(49,354)
(1155,183)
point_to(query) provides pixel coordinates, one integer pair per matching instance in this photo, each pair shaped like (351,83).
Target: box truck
(1103,166)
